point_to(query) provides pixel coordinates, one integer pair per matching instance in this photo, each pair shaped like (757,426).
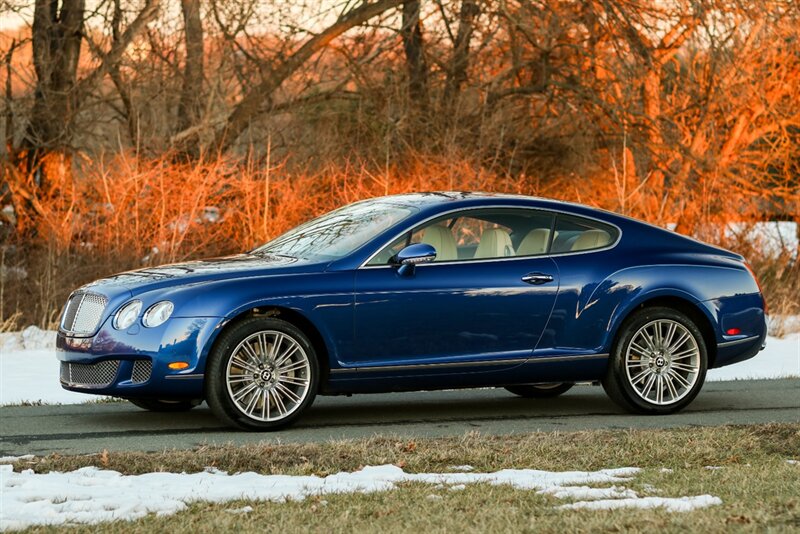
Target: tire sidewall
(216,384)
(636,322)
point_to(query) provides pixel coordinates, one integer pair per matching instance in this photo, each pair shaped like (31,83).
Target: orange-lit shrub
(126,212)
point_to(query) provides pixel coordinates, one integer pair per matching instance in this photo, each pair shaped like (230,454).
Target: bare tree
(250,106)
(57,34)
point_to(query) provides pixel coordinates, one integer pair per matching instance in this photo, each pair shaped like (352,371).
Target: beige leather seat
(535,242)
(591,239)
(495,243)
(442,240)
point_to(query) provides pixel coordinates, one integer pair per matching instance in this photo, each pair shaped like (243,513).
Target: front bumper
(134,363)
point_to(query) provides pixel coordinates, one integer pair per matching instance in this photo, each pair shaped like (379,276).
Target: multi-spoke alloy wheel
(662,361)
(659,362)
(262,374)
(268,376)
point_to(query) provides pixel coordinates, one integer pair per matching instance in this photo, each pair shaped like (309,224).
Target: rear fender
(716,292)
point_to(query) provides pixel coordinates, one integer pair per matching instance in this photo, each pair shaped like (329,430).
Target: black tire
(219,394)
(155,405)
(618,380)
(540,391)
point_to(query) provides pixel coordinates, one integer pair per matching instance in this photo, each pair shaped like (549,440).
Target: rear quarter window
(576,234)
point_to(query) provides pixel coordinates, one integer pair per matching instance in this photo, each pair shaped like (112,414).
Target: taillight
(760,289)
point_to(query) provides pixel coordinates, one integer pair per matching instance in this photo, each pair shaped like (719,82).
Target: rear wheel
(658,364)
(540,391)
(155,405)
(262,374)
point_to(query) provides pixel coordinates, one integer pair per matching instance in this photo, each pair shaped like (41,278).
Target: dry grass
(589,450)
(759,489)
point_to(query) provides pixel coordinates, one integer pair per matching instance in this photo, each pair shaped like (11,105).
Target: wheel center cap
(266,375)
(660,361)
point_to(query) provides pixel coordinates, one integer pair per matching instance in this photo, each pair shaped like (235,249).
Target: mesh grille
(93,375)
(141,371)
(83,313)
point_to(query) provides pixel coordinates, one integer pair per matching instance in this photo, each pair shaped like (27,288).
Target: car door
(484,303)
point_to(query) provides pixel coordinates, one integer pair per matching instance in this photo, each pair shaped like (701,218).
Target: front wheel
(540,391)
(658,363)
(262,374)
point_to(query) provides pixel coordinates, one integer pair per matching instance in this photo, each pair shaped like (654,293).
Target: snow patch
(242,510)
(461,468)
(91,495)
(773,238)
(585,493)
(670,504)
(31,338)
(783,323)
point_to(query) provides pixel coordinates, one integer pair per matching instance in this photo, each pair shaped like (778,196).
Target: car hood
(194,272)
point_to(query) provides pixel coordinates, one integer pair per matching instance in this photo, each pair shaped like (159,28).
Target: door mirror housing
(412,255)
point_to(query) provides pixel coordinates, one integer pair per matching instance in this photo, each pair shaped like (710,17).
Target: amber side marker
(178,365)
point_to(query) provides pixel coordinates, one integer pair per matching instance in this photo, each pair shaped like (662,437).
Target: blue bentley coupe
(417,292)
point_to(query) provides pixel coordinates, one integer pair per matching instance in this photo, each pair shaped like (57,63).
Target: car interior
(499,233)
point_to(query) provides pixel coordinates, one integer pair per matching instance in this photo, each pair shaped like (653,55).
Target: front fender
(324,299)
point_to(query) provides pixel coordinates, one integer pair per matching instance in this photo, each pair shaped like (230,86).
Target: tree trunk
(131,114)
(415,57)
(190,108)
(457,74)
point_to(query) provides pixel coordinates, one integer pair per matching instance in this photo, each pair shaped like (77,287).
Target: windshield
(337,233)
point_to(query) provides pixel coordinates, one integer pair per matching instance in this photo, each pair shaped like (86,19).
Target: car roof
(433,199)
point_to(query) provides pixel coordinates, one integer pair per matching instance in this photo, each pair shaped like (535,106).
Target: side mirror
(410,256)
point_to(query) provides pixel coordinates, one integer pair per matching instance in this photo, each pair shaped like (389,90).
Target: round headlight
(158,313)
(127,315)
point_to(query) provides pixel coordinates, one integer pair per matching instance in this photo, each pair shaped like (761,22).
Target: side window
(479,238)
(479,235)
(575,234)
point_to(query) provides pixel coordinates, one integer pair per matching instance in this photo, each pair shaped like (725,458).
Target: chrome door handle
(537,278)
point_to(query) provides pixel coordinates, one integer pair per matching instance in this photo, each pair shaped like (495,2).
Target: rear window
(576,234)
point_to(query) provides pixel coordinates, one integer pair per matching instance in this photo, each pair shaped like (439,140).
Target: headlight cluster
(156,315)
(127,315)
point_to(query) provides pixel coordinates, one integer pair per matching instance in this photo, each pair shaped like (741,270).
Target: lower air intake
(141,371)
(95,375)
